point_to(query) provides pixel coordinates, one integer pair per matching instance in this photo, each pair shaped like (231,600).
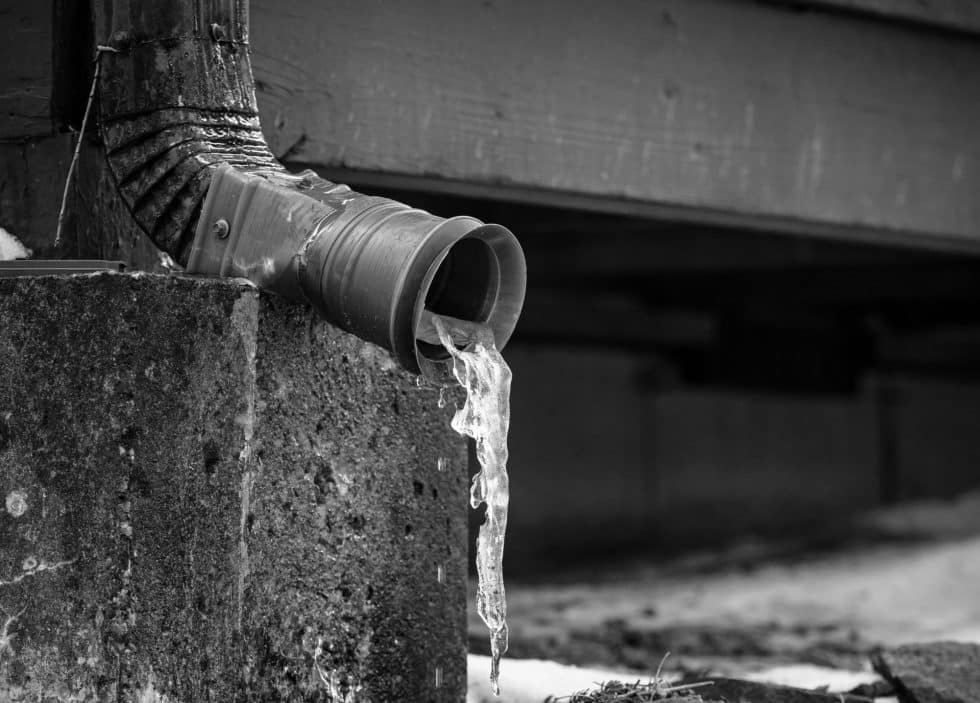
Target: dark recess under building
(680,385)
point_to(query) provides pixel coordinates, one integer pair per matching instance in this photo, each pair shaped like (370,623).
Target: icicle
(482,372)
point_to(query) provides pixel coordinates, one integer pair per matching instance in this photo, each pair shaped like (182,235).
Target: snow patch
(539,681)
(812,676)
(11,248)
(533,680)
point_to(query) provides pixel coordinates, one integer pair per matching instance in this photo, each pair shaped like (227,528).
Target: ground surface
(809,619)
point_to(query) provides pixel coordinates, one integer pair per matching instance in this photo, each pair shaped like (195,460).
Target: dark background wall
(639,469)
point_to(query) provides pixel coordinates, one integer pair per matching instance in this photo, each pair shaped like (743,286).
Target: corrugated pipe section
(176,99)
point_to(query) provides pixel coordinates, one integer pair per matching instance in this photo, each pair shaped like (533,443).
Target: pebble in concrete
(16,503)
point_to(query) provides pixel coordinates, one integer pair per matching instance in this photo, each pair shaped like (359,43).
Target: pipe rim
(502,309)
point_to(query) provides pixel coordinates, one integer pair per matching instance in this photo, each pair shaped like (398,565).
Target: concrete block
(937,445)
(209,495)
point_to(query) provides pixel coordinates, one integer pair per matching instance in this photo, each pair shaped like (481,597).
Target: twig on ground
(656,689)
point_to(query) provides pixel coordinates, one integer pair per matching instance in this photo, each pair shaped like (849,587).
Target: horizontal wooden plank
(578,255)
(25,68)
(706,109)
(957,15)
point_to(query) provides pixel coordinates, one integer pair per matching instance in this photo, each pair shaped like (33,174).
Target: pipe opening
(376,268)
(480,278)
(465,286)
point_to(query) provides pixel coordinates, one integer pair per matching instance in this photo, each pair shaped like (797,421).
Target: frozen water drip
(482,372)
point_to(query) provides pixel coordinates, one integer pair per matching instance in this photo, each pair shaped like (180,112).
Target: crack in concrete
(124,606)
(332,681)
(6,638)
(33,571)
(243,320)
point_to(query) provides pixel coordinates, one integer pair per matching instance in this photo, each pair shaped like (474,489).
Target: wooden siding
(705,109)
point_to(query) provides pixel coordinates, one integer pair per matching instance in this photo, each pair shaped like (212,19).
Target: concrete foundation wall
(600,457)
(579,457)
(937,432)
(211,496)
(752,461)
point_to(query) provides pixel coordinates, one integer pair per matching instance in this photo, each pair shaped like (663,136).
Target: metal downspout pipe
(180,126)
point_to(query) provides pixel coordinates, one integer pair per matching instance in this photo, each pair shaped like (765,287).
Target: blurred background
(751,231)
(752,330)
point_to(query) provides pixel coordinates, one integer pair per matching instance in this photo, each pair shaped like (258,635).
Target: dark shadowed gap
(72,55)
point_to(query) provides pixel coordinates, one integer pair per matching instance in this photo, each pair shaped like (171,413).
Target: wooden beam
(607,253)
(956,15)
(704,108)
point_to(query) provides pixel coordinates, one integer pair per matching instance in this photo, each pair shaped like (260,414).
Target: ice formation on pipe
(482,371)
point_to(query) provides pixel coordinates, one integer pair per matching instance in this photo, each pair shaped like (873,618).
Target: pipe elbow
(372,266)
(163,161)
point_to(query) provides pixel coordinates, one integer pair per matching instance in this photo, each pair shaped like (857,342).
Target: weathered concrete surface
(210,496)
(936,672)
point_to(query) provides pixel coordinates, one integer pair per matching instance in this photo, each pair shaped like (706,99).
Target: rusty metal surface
(161,19)
(186,72)
(126,133)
